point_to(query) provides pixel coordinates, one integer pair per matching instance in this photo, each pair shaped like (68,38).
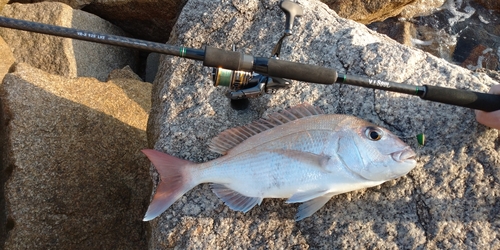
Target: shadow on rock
(78,179)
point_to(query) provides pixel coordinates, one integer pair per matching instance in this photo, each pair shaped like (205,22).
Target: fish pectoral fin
(235,200)
(303,196)
(317,160)
(308,208)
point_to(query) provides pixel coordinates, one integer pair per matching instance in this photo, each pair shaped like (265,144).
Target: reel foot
(240,104)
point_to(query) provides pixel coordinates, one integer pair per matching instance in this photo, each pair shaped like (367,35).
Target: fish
(300,154)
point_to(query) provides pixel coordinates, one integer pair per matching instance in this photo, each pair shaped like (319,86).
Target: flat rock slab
(64,56)
(75,176)
(450,200)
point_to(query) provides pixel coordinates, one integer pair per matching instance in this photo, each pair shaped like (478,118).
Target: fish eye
(373,134)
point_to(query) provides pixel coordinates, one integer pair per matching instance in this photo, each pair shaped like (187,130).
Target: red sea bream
(299,154)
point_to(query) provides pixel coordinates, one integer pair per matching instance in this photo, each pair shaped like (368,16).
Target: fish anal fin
(308,208)
(235,200)
(316,160)
(230,138)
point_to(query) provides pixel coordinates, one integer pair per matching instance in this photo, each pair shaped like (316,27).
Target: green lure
(421,139)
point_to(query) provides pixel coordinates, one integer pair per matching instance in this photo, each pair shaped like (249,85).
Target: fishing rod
(247,76)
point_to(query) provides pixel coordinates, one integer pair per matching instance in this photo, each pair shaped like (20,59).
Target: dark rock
(481,57)
(152,63)
(490,4)
(5,65)
(150,20)
(395,29)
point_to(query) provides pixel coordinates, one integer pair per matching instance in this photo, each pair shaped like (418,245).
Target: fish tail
(175,181)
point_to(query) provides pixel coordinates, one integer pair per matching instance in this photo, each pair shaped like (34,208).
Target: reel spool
(234,80)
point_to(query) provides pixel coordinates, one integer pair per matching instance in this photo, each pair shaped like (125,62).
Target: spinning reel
(245,85)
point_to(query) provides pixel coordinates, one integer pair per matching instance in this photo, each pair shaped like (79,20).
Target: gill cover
(374,153)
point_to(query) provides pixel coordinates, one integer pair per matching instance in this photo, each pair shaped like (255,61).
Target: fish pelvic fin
(175,181)
(308,208)
(235,200)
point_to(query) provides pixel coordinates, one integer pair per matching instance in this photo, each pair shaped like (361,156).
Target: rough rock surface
(421,8)
(66,57)
(450,200)
(7,58)
(76,178)
(5,64)
(379,10)
(368,11)
(3,3)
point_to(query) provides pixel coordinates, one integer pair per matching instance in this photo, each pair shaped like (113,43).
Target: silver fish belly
(300,154)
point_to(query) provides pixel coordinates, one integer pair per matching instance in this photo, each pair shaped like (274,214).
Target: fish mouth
(407,154)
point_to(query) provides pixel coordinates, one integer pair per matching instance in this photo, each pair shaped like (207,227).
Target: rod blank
(101,38)
(267,66)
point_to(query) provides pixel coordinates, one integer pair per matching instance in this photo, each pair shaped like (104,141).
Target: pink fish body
(300,154)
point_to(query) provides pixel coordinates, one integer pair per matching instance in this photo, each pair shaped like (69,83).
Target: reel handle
(291,10)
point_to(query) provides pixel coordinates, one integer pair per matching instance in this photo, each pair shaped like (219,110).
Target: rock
(151,20)
(401,31)
(421,8)
(448,201)
(76,177)
(451,32)
(368,11)
(75,4)
(7,58)
(379,10)
(62,56)
(3,3)
(490,4)
(152,63)
(126,73)
(481,57)
(5,64)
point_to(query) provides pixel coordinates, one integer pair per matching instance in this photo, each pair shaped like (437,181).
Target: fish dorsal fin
(234,136)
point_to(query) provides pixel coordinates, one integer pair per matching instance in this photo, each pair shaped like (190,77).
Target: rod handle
(301,72)
(463,98)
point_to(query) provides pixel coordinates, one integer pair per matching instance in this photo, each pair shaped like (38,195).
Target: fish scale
(241,174)
(300,154)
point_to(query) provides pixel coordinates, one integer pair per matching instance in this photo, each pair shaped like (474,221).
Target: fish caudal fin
(175,181)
